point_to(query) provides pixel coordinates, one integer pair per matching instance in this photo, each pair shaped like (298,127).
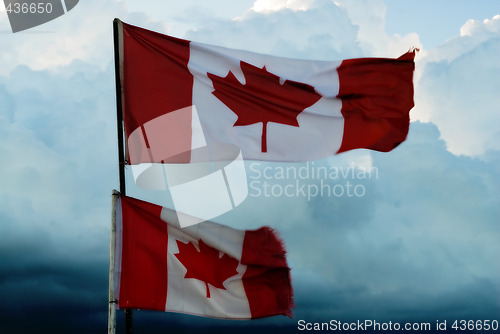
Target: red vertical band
(267,278)
(377,96)
(143,282)
(155,76)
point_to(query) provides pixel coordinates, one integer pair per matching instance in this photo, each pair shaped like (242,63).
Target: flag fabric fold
(272,108)
(208,270)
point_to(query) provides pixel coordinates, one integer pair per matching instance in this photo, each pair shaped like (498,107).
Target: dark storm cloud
(46,289)
(54,221)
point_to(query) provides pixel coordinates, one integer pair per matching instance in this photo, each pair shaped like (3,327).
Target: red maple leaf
(206,265)
(263,98)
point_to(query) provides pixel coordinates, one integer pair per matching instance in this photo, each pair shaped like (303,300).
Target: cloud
(421,243)
(57,295)
(57,173)
(52,133)
(457,89)
(323,31)
(84,34)
(268,6)
(416,245)
(58,148)
(369,16)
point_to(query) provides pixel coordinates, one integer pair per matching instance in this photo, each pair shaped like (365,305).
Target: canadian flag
(208,270)
(275,109)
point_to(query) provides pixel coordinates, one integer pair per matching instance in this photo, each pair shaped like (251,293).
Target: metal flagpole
(112,250)
(119,114)
(121,150)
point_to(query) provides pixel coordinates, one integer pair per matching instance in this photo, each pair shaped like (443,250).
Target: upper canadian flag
(208,270)
(275,109)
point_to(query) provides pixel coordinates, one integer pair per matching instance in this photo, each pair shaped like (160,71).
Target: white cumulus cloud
(458,89)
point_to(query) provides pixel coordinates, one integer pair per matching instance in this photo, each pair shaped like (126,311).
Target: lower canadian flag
(209,270)
(272,108)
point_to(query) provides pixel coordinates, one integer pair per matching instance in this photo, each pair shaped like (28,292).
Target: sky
(421,244)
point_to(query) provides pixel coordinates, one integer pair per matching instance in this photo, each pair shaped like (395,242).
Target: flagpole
(121,150)
(112,250)
(119,114)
